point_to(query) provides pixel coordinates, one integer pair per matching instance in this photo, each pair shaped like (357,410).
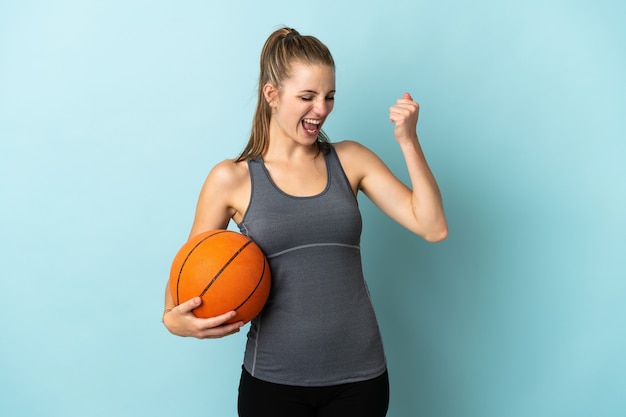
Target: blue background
(113,112)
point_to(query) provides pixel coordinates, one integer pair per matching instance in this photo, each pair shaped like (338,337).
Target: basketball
(226,269)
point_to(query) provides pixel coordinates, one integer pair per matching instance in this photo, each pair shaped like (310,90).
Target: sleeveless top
(318,327)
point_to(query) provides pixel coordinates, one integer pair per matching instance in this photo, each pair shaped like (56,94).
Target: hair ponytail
(281,49)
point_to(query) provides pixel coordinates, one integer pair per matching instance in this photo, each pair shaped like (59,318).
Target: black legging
(258,398)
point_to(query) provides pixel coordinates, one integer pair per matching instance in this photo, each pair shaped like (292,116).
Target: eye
(306,98)
(331,98)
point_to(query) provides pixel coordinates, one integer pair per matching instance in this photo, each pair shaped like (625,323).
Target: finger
(395,117)
(219,320)
(189,305)
(222,331)
(399,112)
(404,107)
(215,327)
(407,96)
(395,114)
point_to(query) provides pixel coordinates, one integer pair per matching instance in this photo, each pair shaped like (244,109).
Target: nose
(323,106)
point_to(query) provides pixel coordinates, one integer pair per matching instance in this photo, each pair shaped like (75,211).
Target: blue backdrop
(113,112)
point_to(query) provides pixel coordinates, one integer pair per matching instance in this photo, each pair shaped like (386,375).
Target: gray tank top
(318,327)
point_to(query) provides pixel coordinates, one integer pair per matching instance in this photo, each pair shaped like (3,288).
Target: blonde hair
(282,48)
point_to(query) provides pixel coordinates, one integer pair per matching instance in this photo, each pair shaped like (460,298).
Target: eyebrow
(315,92)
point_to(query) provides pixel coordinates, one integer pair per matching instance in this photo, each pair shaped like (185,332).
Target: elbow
(438,235)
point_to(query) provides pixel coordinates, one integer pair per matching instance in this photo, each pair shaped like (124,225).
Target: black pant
(259,398)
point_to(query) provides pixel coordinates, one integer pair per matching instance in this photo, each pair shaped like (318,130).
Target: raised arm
(418,208)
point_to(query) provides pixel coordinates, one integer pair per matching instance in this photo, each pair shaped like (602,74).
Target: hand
(182,322)
(404,114)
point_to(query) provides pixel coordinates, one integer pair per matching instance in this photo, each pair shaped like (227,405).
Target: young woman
(315,349)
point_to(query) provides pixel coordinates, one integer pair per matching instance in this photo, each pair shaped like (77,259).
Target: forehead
(310,76)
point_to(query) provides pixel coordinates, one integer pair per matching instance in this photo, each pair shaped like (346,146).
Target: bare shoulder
(228,174)
(353,151)
(224,195)
(357,161)
(354,155)
(347,148)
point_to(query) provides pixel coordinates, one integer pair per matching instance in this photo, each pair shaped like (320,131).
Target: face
(302,103)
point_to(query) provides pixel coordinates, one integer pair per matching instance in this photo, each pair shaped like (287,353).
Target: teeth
(312,121)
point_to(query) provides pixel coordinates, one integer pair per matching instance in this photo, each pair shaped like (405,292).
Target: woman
(316,349)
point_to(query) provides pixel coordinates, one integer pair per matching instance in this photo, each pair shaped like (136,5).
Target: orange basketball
(227,269)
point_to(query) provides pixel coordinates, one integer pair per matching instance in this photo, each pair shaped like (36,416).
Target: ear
(271,94)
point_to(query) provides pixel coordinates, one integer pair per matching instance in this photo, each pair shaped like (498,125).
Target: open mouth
(311,126)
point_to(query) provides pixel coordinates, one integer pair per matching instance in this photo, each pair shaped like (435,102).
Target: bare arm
(419,208)
(219,200)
